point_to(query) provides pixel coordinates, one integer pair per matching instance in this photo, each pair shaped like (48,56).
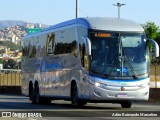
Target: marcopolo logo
(122,88)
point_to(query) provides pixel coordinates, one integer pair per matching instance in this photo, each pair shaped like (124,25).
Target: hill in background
(11,23)
(14,31)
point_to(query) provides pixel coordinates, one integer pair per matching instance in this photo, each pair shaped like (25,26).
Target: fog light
(97,93)
(146,93)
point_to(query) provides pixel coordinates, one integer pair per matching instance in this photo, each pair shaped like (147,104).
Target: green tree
(12,63)
(1,61)
(158,39)
(10,45)
(151,30)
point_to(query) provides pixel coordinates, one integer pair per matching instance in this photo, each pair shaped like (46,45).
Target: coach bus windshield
(119,55)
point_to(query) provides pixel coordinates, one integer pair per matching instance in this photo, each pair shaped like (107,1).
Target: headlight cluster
(97,84)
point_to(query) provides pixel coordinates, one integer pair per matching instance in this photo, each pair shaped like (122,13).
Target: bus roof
(114,24)
(99,23)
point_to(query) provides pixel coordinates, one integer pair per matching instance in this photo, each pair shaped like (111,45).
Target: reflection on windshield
(119,56)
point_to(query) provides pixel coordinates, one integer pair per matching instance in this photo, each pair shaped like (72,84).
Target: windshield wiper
(122,58)
(131,67)
(135,76)
(126,60)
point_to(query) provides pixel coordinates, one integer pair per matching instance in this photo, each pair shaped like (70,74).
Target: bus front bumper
(119,93)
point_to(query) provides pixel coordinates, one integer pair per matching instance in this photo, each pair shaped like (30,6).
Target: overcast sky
(51,12)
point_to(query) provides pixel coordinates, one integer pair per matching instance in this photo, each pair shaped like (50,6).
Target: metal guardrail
(9,71)
(10,77)
(155,75)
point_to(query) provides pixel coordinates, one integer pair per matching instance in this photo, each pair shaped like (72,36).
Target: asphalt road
(19,107)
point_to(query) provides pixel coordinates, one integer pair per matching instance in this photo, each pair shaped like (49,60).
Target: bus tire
(75,100)
(36,97)
(126,104)
(31,91)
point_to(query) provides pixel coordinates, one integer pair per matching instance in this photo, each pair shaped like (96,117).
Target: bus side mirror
(86,51)
(87,45)
(156,48)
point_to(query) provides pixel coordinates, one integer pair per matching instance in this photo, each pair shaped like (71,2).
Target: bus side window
(31,49)
(50,44)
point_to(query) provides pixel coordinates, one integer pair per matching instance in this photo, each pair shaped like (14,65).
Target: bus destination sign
(102,35)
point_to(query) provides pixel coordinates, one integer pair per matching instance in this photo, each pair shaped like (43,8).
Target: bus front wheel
(126,104)
(75,99)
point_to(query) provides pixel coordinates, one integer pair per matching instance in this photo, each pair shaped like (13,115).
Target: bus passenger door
(85,53)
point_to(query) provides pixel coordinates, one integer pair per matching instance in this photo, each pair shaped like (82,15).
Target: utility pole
(119,5)
(76,8)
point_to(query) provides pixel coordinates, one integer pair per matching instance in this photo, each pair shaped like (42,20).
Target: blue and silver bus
(98,60)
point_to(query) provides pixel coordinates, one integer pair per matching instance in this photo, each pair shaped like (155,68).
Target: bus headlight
(97,84)
(144,85)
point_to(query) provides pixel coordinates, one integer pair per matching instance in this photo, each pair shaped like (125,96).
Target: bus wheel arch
(73,83)
(74,95)
(36,95)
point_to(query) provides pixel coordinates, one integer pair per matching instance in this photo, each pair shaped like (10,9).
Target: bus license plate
(121,95)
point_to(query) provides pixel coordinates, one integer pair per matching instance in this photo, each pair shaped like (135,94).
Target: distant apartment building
(29,25)
(14,39)
(1,66)
(2,39)
(38,26)
(4,48)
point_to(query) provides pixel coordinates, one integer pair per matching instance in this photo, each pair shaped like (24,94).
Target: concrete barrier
(154,95)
